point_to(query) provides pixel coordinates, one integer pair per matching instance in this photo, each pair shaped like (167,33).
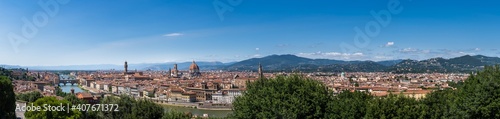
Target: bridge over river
(65,79)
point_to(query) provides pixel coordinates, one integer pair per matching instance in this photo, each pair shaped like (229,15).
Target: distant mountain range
(283,62)
(292,63)
(465,63)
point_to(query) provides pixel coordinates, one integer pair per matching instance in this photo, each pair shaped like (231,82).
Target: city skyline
(106,32)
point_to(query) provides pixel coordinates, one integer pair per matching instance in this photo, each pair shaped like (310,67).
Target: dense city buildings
(218,89)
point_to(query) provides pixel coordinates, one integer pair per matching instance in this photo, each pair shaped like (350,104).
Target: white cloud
(257,49)
(173,34)
(414,51)
(389,44)
(477,49)
(408,50)
(466,53)
(426,51)
(333,54)
(358,54)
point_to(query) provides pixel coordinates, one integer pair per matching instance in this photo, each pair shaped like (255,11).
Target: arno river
(199,112)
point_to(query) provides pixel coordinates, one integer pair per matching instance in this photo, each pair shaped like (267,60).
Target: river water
(67,88)
(212,113)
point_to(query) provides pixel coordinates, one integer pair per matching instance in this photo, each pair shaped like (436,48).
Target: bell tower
(169,72)
(175,72)
(126,67)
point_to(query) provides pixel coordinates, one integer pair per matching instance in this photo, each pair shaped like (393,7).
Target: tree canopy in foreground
(52,114)
(299,97)
(7,99)
(290,97)
(29,96)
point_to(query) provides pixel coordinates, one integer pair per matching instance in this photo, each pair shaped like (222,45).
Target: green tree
(59,92)
(125,107)
(7,99)
(43,114)
(441,102)
(395,106)
(73,99)
(5,72)
(30,96)
(348,105)
(479,96)
(283,97)
(175,115)
(145,109)
(129,108)
(455,85)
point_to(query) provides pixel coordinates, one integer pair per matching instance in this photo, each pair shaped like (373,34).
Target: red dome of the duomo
(194,66)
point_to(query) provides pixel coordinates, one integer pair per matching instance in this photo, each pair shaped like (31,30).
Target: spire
(261,75)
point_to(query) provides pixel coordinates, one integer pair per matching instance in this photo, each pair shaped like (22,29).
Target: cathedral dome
(194,66)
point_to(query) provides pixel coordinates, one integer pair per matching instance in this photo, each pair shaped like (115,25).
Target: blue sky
(112,31)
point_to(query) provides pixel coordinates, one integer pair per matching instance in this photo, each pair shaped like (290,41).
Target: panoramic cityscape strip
(258,59)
